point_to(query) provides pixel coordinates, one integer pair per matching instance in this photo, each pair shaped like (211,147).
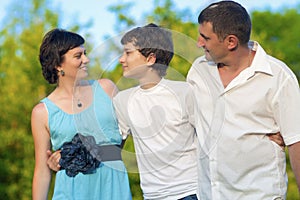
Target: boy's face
(134,64)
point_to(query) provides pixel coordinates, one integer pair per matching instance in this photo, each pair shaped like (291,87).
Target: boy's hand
(277,138)
(53,160)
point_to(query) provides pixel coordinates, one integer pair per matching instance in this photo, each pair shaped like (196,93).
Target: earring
(62,72)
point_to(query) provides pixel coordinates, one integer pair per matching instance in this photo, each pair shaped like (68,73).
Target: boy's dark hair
(152,39)
(228,18)
(55,44)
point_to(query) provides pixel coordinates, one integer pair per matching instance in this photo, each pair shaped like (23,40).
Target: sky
(104,20)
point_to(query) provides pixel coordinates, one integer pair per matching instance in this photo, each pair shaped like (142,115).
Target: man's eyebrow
(204,36)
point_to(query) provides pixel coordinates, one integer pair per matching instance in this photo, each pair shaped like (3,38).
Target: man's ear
(232,42)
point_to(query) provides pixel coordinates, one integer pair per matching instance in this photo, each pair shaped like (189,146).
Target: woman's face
(75,63)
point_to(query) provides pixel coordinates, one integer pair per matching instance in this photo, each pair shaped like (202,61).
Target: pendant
(79,104)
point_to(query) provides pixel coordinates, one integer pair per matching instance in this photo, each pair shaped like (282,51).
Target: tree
(22,84)
(280,39)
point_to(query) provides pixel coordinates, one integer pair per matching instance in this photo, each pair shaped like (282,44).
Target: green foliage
(17,158)
(128,155)
(278,33)
(22,87)
(22,84)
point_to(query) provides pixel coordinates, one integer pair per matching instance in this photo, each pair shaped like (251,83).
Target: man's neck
(232,69)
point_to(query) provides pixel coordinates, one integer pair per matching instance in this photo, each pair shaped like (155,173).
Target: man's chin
(208,57)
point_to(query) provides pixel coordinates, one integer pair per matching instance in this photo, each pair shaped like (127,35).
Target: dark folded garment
(76,156)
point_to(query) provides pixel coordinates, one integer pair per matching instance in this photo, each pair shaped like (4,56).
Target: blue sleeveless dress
(110,182)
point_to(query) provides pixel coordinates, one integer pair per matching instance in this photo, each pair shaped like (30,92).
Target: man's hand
(277,138)
(53,160)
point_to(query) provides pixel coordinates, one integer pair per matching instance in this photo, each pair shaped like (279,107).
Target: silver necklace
(77,96)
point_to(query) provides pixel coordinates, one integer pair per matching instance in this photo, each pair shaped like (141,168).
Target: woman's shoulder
(40,107)
(39,111)
(108,86)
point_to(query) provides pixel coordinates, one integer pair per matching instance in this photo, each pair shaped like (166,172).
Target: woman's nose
(86,59)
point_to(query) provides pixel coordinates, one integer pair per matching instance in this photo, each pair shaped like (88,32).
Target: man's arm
(294,154)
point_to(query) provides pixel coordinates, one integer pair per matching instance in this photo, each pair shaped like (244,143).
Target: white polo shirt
(237,160)
(161,121)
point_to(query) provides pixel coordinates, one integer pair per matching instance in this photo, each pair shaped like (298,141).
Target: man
(242,95)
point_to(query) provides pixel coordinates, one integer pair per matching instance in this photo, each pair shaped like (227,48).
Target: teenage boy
(159,114)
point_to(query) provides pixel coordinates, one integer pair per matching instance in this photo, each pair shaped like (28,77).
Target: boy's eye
(127,52)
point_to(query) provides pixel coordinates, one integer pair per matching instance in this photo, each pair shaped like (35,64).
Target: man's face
(214,49)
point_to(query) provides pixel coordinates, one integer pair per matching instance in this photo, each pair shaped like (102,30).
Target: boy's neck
(150,82)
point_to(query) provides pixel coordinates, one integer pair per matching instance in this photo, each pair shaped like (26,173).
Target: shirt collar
(259,64)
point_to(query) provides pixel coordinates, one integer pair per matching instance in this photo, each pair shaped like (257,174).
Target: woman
(78,119)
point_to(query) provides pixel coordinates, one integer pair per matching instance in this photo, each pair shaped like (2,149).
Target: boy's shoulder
(181,85)
(175,82)
(124,94)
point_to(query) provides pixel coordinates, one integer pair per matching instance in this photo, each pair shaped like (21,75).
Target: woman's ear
(60,70)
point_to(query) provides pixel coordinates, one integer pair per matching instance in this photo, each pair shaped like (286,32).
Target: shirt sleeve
(190,105)
(122,116)
(287,110)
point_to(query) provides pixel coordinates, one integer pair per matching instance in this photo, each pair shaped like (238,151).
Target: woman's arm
(41,137)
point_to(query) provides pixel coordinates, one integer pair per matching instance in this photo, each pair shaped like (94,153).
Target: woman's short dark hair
(152,39)
(56,43)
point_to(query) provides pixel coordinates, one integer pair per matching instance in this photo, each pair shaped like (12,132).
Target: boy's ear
(151,59)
